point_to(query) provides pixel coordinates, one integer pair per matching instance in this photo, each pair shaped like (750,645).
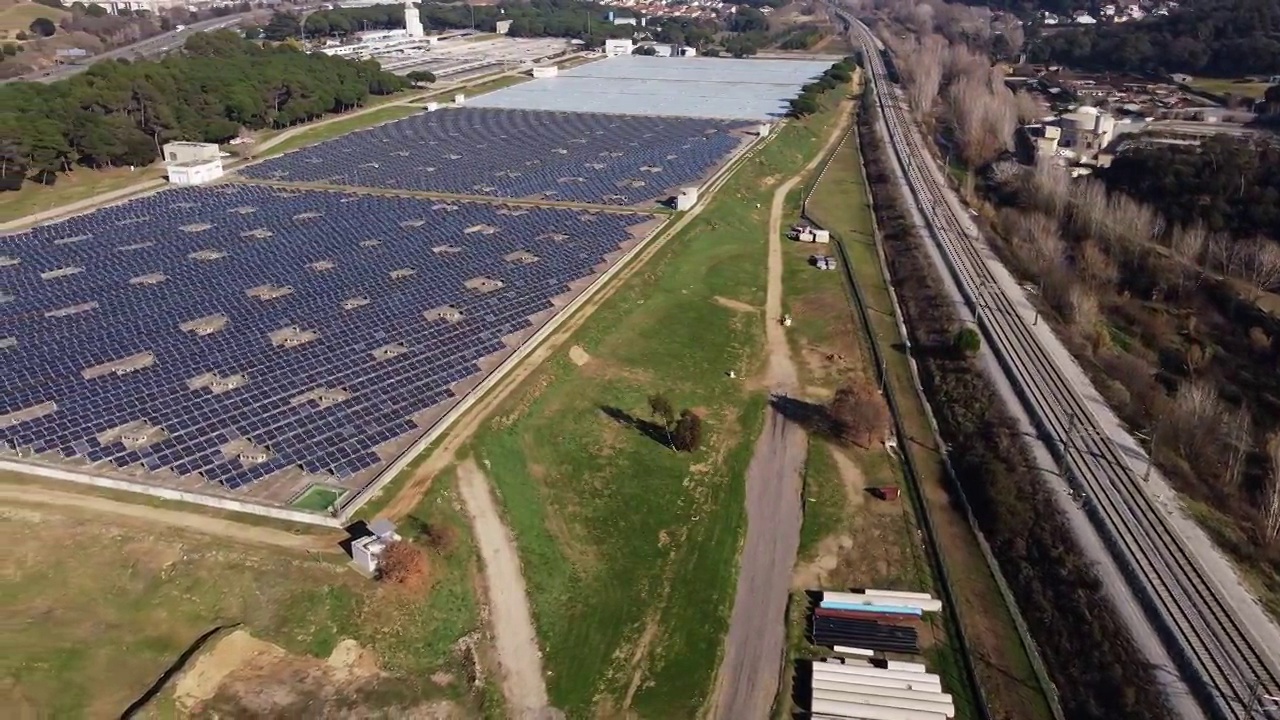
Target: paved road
(157,45)
(1219,636)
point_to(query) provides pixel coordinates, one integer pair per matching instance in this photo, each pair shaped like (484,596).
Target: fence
(1033,654)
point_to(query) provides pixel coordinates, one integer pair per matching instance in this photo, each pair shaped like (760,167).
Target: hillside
(1223,38)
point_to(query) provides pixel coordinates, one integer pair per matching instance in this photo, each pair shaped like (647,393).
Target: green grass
(77,185)
(617,533)
(337,128)
(318,499)
(95,616)
(825,506)
(1242,87)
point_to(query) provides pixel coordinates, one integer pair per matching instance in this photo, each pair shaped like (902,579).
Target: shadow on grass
(810,416)
(648,428)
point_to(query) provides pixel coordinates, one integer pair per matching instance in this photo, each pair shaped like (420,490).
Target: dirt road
(512,621)
(749,672)
(30,495)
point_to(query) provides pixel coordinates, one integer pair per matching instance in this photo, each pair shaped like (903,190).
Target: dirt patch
(855,483)
(242,676)
(732,304)
(818,572)
(578,356)
(349,661)
(202,681)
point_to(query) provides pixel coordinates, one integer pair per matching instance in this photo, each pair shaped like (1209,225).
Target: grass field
(1243,87)
(1005,670)
(77,185)
(17,17)
(97,607)
(629,549)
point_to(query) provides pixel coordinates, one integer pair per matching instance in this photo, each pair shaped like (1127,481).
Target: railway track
(1218,655)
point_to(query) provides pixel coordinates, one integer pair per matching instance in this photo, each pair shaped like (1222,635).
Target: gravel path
(512,621)
(747,681)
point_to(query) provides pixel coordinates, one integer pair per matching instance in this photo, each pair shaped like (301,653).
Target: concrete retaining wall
(170,494)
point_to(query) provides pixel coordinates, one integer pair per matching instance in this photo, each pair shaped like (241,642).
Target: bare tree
(1195,420)
(1226,255)
(1261,265)
(1271,495)
(1095,267)
(858,413)
(1238,436)
(401,563)
(662,409)
(1034,239)
(983,116)
(1187,242)
(1028,109)
(1088,207)
(919,64)
(1050,188)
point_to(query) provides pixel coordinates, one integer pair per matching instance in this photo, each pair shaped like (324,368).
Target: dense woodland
(1228,184)
(1225,38)
(120,113)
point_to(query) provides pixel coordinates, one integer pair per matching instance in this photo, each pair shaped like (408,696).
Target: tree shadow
(810,416)
(648,428)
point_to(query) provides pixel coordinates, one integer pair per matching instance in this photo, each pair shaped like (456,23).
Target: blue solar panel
(130,317)
(580,157)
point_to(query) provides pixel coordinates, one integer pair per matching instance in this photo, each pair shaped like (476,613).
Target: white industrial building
(502,27)
(192,163)
(546,71)
(412,20)
(1080,135)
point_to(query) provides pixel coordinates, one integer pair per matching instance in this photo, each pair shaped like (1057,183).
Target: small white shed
(366,550)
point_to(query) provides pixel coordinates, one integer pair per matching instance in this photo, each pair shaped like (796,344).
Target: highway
(1208,632)
(150,47)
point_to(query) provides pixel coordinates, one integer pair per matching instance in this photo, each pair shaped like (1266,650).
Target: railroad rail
(1220,657)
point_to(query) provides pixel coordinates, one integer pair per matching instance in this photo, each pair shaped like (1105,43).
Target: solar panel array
(578,157)
(297,324)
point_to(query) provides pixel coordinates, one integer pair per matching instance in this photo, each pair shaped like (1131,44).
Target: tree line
(1225,38)
(586,21)
(809,101)
(1228,184)
(121,112)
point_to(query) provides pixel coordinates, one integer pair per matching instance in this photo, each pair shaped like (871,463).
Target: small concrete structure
(192,163)
(617,47)
(687,198)
(502,27)
(459,99)
(546,71)
(762,130)
(822,237)
(365,551)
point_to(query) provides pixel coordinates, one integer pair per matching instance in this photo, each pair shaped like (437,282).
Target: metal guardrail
(1029,644)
